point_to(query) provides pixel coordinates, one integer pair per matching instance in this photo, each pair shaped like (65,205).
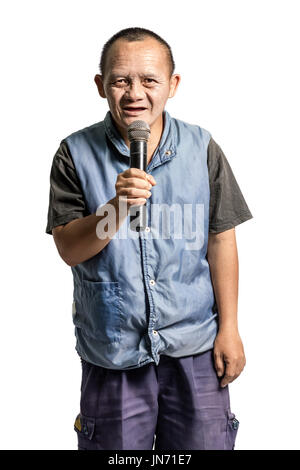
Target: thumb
(219,364)
(151,179)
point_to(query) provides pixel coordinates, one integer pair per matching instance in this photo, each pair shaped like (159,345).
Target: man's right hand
(78,240)
(133,186)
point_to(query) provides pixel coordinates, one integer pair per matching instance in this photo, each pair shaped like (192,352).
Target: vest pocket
(98,312)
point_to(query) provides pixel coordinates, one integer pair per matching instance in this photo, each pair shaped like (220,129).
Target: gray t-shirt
(227,207)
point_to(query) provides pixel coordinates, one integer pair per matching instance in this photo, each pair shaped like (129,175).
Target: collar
(166,148)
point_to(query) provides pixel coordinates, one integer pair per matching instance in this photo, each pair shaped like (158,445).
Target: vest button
(168,152)
(152,282)
(154,332)
(147,229)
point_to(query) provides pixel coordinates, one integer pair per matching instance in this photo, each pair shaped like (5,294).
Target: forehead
(144,55)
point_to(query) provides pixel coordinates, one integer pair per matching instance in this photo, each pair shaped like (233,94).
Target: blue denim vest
(149,295)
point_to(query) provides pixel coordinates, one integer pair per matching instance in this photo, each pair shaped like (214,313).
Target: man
(156,318)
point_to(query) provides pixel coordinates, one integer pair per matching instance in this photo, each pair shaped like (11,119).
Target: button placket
(149,283)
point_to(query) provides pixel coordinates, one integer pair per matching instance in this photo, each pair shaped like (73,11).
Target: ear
(98,79)
(174,82)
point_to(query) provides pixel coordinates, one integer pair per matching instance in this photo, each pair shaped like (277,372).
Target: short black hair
(135,34)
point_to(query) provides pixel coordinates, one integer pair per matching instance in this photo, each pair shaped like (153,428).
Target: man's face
(137,81)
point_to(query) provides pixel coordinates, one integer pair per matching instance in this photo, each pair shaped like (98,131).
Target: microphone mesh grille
(138,130)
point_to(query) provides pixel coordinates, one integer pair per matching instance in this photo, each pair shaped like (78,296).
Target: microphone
(138,135)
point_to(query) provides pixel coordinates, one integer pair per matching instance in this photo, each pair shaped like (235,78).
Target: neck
(156,132)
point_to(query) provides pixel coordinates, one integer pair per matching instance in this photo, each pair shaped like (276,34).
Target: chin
(139,117)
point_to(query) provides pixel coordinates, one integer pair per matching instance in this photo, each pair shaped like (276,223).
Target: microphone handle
(138,159)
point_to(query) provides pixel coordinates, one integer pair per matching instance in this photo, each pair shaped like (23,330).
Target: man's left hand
(229,355)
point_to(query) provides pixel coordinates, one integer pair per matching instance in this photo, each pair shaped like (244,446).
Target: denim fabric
(146,294)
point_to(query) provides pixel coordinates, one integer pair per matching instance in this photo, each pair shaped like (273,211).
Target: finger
(137,201)
(227,379)
(136,183)
(137,172)
(134,192)
(151,179)
(134,172)
(230,375)
(219,364)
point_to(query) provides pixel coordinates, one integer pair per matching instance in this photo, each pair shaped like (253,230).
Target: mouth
(134,109)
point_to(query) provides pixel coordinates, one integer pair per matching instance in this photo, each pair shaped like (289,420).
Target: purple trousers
(178,404)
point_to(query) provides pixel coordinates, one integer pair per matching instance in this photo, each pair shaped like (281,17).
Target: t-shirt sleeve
(66,200)
(227,207)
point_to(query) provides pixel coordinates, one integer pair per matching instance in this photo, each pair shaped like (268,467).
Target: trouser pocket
(85,428)
(231,430)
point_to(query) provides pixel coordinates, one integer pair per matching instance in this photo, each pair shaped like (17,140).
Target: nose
(135,90)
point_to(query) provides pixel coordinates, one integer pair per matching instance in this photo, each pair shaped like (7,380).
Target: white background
(239,62)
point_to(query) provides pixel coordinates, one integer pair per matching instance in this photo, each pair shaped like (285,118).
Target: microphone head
(138,130)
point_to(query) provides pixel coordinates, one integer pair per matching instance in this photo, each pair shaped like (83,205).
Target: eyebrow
(142,75)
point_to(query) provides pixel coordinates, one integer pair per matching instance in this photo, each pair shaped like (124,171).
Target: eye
(149,80)
(120,82)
